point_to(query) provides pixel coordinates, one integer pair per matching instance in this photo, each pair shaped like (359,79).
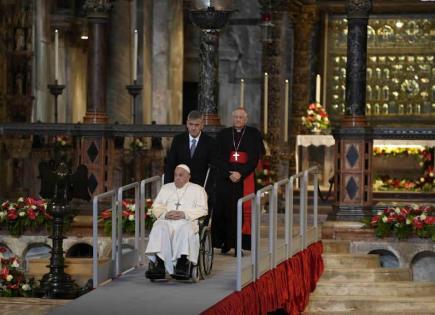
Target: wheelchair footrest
(154,275)
(180,276)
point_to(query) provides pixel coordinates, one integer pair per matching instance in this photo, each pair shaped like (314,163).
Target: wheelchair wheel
(206,253)
(195,274)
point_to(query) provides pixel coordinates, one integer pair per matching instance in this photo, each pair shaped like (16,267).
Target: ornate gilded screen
(400,65)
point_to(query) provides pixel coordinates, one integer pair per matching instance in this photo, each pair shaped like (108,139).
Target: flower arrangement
(263,174)
(24,214)
(404,221)
(12,280)
(128,217)
(316,119)
(426,182)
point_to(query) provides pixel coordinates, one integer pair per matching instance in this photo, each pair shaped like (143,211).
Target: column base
(349,213)
(95,118)
(211,119)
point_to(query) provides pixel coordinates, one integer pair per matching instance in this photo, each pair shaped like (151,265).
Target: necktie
(193,147)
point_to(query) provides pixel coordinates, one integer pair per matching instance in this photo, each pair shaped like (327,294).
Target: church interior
(342,87)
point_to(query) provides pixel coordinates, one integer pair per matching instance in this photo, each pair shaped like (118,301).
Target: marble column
(98,17)
(97,152)
(210,21)
(277,62)
(354,140)
(304,19)
(43,100)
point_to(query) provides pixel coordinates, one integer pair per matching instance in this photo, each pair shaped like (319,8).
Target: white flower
(9,278)
(21,213)
(397,210)
(2,214)
(4,203)
(21,199)
(408,221)
(431,174)
(318,117)
(11,207)
(422,179)
(380,212)
(265,172)
(15,264)
(25,287)
(131,217)
(326,119)
(423,217)
(33,207)
(310,112)
(132,207)
(384,219)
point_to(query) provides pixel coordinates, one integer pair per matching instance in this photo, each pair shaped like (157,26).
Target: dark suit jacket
(179,153)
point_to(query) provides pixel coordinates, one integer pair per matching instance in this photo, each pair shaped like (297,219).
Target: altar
(319,150)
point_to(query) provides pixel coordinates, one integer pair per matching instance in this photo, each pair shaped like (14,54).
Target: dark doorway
(190,98)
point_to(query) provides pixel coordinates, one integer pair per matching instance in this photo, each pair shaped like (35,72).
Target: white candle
(318,89)
(286,112)
(134,61)
(56,55)
(266,87)
(242,93)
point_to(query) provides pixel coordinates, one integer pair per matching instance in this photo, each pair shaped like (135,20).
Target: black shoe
(225,249)
(156,270)
(182,269)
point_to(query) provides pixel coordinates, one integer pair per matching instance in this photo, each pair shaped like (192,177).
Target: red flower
(149,203)
(12,214)
(125,213)
(106,214)
(375,219)
(31,214)
(429,220)
(417,223)
(12,286)
(312,106)
(3,250)
(4,273)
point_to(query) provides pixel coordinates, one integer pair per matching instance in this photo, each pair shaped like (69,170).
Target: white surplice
(169,239)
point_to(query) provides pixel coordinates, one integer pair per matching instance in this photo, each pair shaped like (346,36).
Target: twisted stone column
(210,21)
(354,140)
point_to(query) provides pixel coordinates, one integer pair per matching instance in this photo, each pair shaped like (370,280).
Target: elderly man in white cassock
(174,239)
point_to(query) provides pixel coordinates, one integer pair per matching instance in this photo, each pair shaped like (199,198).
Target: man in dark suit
(194,148)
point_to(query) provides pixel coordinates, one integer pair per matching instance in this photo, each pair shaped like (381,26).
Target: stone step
(394,288)
(381,303)
(350,260)
(366,274)
(334,246)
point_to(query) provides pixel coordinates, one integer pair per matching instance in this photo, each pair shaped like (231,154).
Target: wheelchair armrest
(203,221)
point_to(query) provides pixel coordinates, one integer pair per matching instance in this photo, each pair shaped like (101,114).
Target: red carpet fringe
(287,287)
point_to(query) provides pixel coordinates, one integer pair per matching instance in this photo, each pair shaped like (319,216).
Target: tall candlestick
(56,55)
(134,61)
(318,89)
(266,87)
(242,93)
(286,112)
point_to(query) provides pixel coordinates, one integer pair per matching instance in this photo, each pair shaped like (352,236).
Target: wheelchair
(205,256)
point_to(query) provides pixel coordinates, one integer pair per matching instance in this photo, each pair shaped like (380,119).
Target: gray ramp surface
(132,293)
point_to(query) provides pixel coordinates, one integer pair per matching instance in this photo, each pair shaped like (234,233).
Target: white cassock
(169,239)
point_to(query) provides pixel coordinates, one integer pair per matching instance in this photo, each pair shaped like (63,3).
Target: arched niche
(387,258)
(423,266)
(36,251)
(80,250)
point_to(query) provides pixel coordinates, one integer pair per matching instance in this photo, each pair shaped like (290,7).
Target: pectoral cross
(236,156)
(177,205)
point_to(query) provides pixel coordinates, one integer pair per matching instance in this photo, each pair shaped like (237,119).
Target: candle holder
(55,90)
(134,90)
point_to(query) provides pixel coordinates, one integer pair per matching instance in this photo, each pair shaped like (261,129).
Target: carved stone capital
(358,8)
(209,19)
(98,8)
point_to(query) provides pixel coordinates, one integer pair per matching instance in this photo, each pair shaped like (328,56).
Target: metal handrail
(143,183)
(240,202)
(118,220)
(95,251)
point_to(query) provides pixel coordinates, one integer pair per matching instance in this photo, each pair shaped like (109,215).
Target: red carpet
(287,287)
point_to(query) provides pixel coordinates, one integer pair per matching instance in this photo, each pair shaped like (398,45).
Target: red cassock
(248,188)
